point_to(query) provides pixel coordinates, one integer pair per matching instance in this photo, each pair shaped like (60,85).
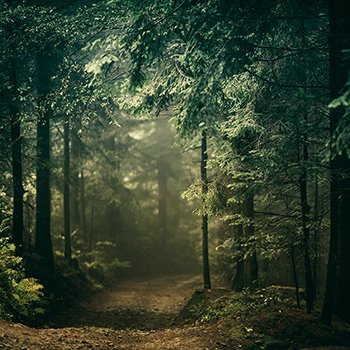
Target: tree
(204,179)
(66,192)
(16,146)
(338,284)
(43,244)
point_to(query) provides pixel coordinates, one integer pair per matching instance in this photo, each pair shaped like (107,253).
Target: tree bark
(204,178)
(75,170)
(316,240)
(83,207)
(16,148)
(305,217)
(295,276)
(162,201)
(43,242)
(66,192)
(338,284)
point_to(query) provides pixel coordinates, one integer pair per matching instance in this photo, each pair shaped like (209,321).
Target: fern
(21,298)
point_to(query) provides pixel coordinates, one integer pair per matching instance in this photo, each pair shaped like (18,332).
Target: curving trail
(134,315)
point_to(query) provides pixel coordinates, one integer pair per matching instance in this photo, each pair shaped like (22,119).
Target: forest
(175,174)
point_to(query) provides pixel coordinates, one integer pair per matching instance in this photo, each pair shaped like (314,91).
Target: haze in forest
(174,174)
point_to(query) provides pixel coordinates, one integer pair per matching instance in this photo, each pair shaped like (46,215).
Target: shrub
(21,298)
(101,263)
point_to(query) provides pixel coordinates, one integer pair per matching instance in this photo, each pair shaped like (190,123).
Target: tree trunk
(238,279)
(248,213)
(204,178)
(75,170)
(16,148)
(303,179)
(115,229)
(92,222)
(162,201)
(295,276)
(305,217)
(83,207)
(328,303)
(338,288)
(316,241)
(43,243)
(66,192)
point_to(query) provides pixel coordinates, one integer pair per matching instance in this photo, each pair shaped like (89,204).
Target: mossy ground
(265,319)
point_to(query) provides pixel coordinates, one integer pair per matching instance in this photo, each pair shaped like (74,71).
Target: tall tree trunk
(238,279)
(75,171)
(114,231)
(295,276)
(303,180)
(43,243)
(162,200)
(305,217)
(338,288)
(328,303)
(204,178)
(92,221)
(316,240)
(16,147)
(83,207)
(66,192)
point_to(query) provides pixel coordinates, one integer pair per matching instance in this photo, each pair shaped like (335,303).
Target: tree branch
(271,82)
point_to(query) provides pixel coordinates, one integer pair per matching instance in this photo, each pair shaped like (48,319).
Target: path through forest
(133,315)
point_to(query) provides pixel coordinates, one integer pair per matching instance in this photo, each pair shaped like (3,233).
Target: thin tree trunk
(248,213)
(316,240)
(75,170)
(306,242)
(204,178)
(16,147)
(162,201)
(338,287)
(92,225)
(238,279)
(66,193)
(83,207)
(305,217)
(303,183)
(115,229)
(295,277)
(43,243)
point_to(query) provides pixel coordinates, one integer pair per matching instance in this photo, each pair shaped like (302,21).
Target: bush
(101,263)
(20,298)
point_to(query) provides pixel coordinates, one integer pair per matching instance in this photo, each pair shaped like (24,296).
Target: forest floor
(164,313)
(135,314)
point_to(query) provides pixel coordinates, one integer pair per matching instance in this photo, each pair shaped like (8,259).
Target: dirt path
(134,315)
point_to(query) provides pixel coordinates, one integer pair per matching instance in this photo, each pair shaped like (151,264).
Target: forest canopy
(166,137)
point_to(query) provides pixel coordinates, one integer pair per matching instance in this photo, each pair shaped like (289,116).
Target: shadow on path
(118,319)
(146,304)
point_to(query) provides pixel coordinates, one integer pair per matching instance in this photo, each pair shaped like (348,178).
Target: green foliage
(257,319)
(341,141)
(101,263)
(20,298)
(238,70)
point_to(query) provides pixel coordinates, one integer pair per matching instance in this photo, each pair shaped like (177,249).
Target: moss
(266,319)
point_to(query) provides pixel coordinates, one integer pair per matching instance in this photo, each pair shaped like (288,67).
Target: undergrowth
(267,319)
(24,299)
(21,298)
